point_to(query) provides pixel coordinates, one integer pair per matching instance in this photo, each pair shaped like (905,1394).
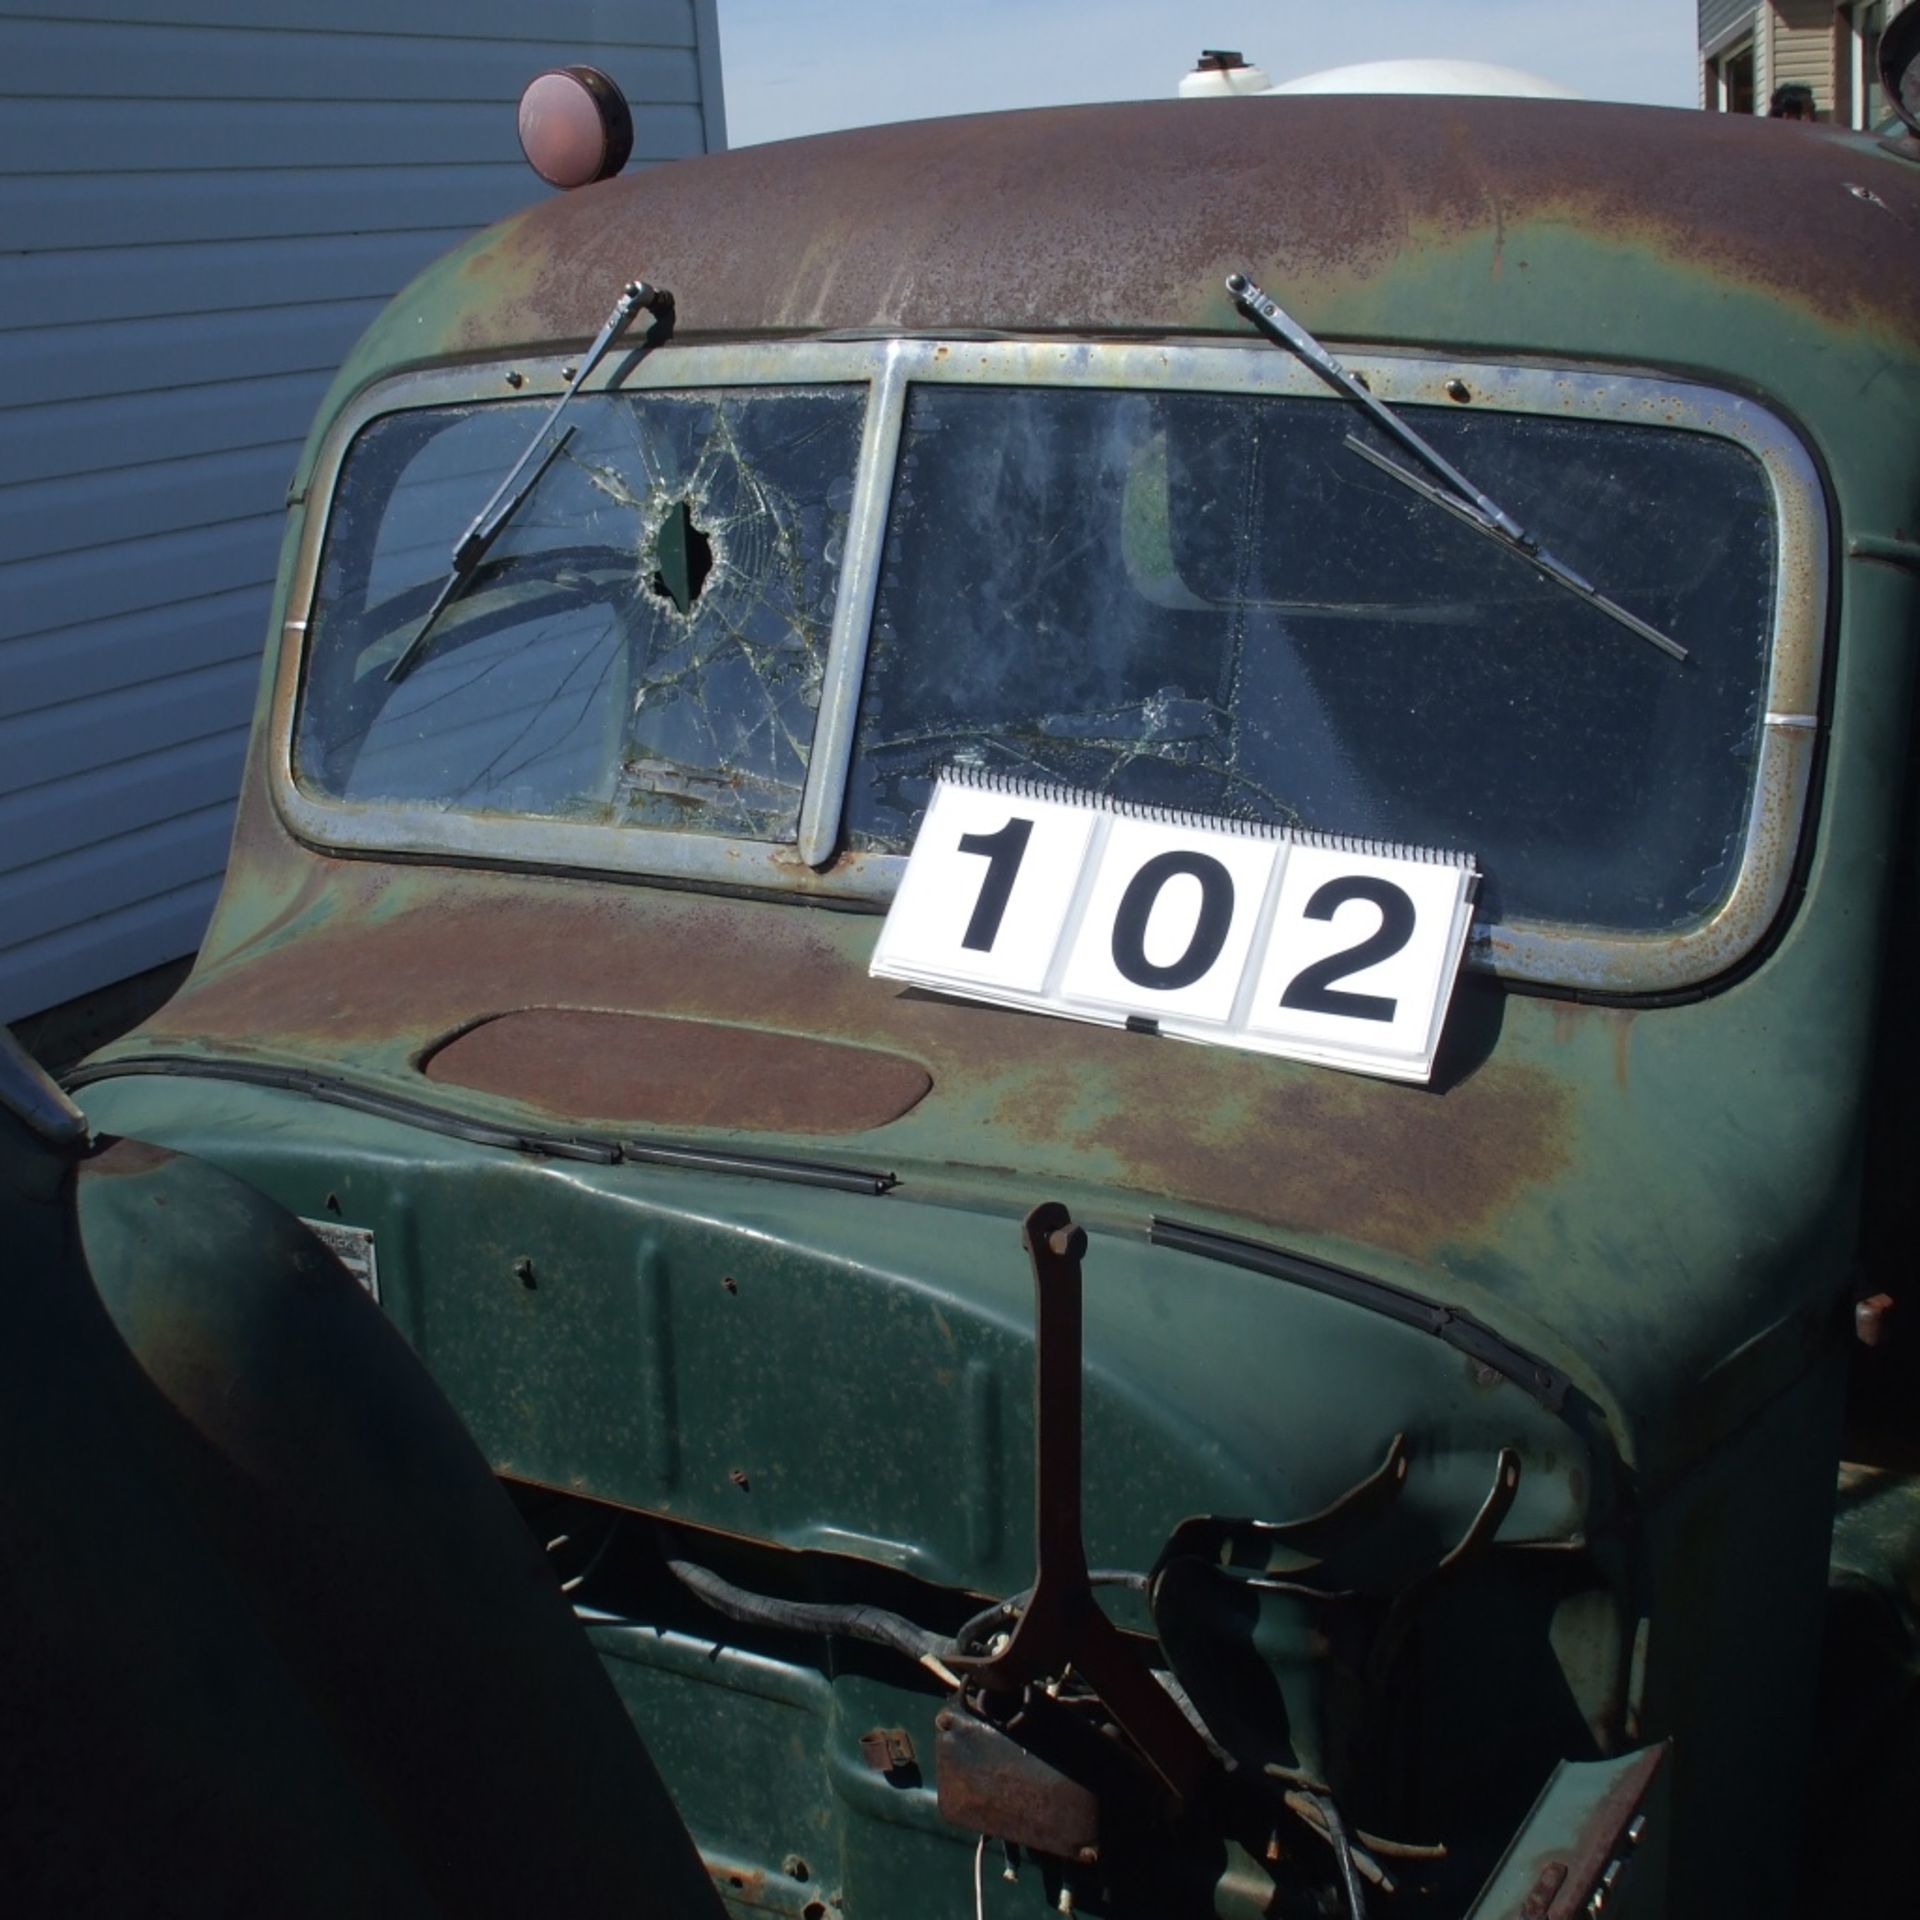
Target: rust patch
(1039,1106)
(1126,216)
(1570,1019)
(1605,1837)
(123,1159)
(991,1784)
(408,957)
(1621,1021)
(739,1884)
(1329,1154)
(461,949)
(682,1073)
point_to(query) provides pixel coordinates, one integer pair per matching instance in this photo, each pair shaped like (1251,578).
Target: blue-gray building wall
(202,204)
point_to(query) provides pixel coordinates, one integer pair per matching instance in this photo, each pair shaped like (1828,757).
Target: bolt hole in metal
(1460,391)
(795,1868)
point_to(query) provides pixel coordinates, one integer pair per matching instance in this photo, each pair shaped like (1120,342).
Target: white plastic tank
(1221,74)
(1425,76)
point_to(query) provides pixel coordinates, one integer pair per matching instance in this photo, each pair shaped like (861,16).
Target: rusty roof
(1127,217)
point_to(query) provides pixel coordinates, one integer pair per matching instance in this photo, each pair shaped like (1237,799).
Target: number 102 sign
(1310,945)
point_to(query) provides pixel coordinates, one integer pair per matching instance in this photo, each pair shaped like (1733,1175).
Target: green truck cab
(1008,1464)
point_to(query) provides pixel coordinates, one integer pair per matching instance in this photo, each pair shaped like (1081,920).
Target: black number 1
(1004,851)
(1312,989)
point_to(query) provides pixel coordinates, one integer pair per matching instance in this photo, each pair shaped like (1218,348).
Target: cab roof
(1128,217)
(1720,246)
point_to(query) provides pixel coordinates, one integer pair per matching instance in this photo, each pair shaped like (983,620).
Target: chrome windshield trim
(825,797)
(1591,959)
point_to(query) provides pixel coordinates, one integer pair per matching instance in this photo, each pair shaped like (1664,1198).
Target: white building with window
(1748,51)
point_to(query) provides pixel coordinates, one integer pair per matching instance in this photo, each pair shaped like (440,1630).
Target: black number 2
(1004,851)
(1311,989)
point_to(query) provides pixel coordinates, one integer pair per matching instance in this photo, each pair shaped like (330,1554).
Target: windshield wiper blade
(471,548)
(1465,499)
(1534,556)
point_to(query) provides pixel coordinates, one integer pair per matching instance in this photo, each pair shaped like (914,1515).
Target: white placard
(1169,921)
(988,888)
(1338,951)
(1362,954)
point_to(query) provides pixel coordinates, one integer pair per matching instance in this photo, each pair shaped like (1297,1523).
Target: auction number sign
(1311,945)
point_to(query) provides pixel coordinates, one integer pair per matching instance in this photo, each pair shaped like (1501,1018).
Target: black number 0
(1311,990)
(1210,927)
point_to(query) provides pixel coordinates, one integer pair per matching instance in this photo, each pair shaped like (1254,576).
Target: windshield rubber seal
(337,1091)
(1460,1330)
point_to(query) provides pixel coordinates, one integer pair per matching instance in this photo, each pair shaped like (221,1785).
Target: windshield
(1199,600)
(1212,602)
(642,645)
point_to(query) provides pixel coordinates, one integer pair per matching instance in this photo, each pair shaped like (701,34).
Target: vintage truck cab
(1006,1462)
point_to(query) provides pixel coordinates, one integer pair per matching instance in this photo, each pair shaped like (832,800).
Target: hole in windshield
(644,645)
(685,555)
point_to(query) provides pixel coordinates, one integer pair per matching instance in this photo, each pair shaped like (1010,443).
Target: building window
(1730,79)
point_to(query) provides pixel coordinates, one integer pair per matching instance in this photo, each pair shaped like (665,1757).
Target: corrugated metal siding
(202,203)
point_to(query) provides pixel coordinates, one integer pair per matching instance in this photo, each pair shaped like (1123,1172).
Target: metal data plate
(352,1247)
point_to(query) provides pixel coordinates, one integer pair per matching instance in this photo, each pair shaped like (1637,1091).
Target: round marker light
(574,126)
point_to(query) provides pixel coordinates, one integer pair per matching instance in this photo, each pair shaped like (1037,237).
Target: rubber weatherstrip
(419,1113)
(1546,1384)
(662,1153)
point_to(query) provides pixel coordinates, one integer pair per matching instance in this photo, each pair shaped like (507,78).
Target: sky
(807,66)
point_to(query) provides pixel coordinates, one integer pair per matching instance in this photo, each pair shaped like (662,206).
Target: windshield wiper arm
(471,548)
(1465,499)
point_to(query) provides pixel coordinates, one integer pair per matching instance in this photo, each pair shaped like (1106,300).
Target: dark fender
(276,1642)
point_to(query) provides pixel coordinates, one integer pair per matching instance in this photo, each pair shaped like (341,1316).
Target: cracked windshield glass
(1213,602)
(643,645)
